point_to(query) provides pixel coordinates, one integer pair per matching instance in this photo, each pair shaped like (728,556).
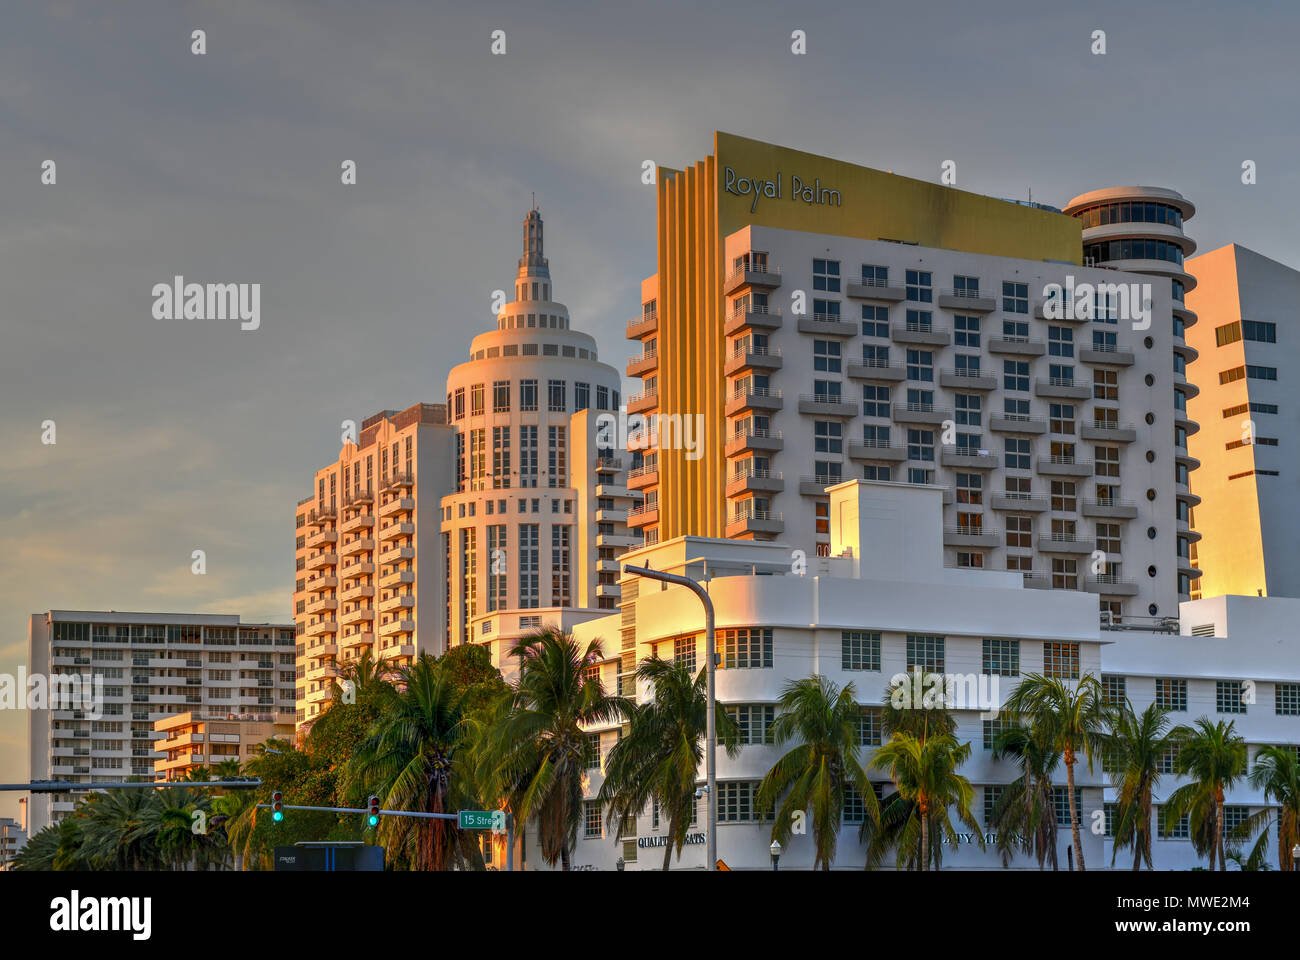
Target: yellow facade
(747,182)
(1231,549)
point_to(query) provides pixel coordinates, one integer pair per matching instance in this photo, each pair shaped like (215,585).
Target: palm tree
(659,758)
(925,772)
(1277,773)
(817,774)
(1070,720)
(1135,745)
(41,849)
(411,760)
(534,754)
(114,834)
(1214,756)
(1025,812)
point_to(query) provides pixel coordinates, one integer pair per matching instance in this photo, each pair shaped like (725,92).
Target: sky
(179,435)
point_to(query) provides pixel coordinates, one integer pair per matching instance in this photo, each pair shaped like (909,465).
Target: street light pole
(711,732)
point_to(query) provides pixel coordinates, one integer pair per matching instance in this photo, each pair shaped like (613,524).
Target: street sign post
(482,820)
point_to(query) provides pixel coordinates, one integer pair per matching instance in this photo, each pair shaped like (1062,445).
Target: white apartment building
(882,602)
(480,520)
(1050,439)
(138,668)
(12,840)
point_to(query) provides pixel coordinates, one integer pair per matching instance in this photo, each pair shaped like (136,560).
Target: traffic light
(277,806)
(374,812)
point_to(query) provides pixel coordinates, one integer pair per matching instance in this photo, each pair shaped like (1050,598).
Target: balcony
(1017,346)
(926,413)
(1063,387)
(357,568)
(755,440)
(878,451)
(816,486)
(395,530)
(356,593)
(1066,543)
(753,358)
(763,522)
(827,325)
(872,289)
(611,514)
(966,301)
(877,371)
(360,522)
(755,398)
(1018,502)
(1063,466)
(1109,431)
(970,458)
(922,333)
(757,275)
(1107,355)
(320,538)
(364,496)
(627,541)
(359,615)
(396,577)
(318,561)
(644,515)
(970,536)
(396,505)
(966,379)
(643,325)
(639,366)
(752,317)
(393,554)
(1016,423)
(641,402)
(754,481)
(321,626)
(318,584)
(827,405)
(357,545)
(1110,508)
(396,626)
(1111,585)
(325,603)
(401,602)
(646,475)
(1063,311)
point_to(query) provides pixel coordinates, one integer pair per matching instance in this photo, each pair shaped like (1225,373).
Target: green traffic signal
(373,819)
(277,802)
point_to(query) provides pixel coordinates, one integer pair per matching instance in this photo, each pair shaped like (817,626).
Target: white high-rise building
(478,521)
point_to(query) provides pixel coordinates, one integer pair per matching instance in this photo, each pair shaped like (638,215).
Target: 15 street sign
(482,819)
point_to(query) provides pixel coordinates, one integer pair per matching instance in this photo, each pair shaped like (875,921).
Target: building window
(747,648)
(828,436)
(1061,804)
(1065,574)
(826,275)
(826,356)
(869,727)
(1015,375)
(925,653)
(581,396)
(1228,696)
(1171,694)
(561,591)
(754,721)
(992,728)
(1260,331)
(1286,702)
(1061,660)
(557,461)
(966,330)
(1114,689)
(919,286)
(528,395)
(992,794)
(875,321)
(875,401)
(1060,342)
(859,650)
(736,803)
(591,819)
(1001,657)
(827,310)
(555,392)
(1180,830)
(920,445)
(1015,451)
(684,652)
(1015,297)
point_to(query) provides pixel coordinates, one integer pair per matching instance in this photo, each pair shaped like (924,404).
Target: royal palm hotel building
(831,321)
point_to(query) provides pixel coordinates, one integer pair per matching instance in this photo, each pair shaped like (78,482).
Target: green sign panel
(482,819)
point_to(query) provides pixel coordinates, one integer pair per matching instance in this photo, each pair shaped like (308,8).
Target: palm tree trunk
(564,858)
(925,839)
(668,847)
(1074,813)
(1218,827)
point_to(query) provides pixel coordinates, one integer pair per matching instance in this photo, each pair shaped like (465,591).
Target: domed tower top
(533,304)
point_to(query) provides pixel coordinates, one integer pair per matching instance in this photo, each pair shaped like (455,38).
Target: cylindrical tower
(518,531)
(1140,230)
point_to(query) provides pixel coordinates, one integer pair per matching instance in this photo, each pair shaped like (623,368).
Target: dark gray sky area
(176,435)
